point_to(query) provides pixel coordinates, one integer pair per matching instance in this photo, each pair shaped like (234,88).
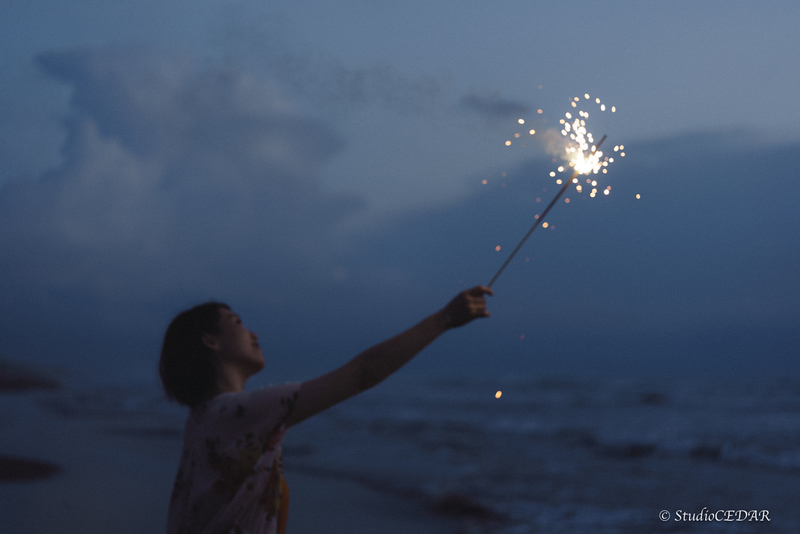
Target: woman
(230,477)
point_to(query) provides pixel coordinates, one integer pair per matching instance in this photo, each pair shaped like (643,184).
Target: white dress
(230,478)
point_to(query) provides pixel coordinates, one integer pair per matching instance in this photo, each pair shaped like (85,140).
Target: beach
(80,462)
(432,456)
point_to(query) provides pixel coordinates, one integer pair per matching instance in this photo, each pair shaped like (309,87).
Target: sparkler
(584,161)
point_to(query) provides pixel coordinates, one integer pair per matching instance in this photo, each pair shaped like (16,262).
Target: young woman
(230,477)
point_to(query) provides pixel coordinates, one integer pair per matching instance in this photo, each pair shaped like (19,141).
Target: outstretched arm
(376,363)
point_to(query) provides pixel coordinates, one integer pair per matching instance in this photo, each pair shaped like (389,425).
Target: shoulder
(266,406)
(264,398)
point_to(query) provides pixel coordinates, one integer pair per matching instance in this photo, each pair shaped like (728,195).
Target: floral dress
(230,479)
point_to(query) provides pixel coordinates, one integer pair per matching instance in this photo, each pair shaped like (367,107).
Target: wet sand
(15,378)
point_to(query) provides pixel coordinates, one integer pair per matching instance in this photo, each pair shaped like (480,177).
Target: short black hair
(187,366)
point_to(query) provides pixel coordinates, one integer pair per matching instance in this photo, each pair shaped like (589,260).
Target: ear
(210,341)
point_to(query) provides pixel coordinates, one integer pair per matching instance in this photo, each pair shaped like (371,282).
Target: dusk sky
(320,167)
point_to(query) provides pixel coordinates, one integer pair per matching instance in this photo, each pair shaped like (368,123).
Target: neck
(230,379)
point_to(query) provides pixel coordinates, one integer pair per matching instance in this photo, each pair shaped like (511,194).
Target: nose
(254,336)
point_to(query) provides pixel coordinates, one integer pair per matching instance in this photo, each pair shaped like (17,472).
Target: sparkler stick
(540,219)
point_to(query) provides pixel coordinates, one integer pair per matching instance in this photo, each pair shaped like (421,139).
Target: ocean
(549,455)
(574,455)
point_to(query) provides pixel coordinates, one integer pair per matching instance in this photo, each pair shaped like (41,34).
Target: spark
(583,155)
(498,394)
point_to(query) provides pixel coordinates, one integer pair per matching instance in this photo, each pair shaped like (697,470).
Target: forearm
(378,362)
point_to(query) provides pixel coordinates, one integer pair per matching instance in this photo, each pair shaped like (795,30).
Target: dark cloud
(697,276)
(493,107)
(329,82)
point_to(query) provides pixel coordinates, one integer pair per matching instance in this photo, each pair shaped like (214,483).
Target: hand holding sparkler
(466,306)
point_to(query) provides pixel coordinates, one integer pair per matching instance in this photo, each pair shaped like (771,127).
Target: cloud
(493,107)
(329,82)
(173,178)
(256,36)
(698,274)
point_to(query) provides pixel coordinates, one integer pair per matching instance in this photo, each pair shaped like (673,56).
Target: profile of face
(235,345)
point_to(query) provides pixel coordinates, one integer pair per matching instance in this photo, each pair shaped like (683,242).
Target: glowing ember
(582,153)
(498,394)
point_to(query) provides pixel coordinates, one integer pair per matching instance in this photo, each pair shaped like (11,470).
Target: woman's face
(236,344)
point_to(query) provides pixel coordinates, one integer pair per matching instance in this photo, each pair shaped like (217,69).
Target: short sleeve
(230,474)
(262,411)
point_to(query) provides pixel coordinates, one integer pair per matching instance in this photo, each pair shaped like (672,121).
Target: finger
(480,312)
(478,308)
(479,291)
